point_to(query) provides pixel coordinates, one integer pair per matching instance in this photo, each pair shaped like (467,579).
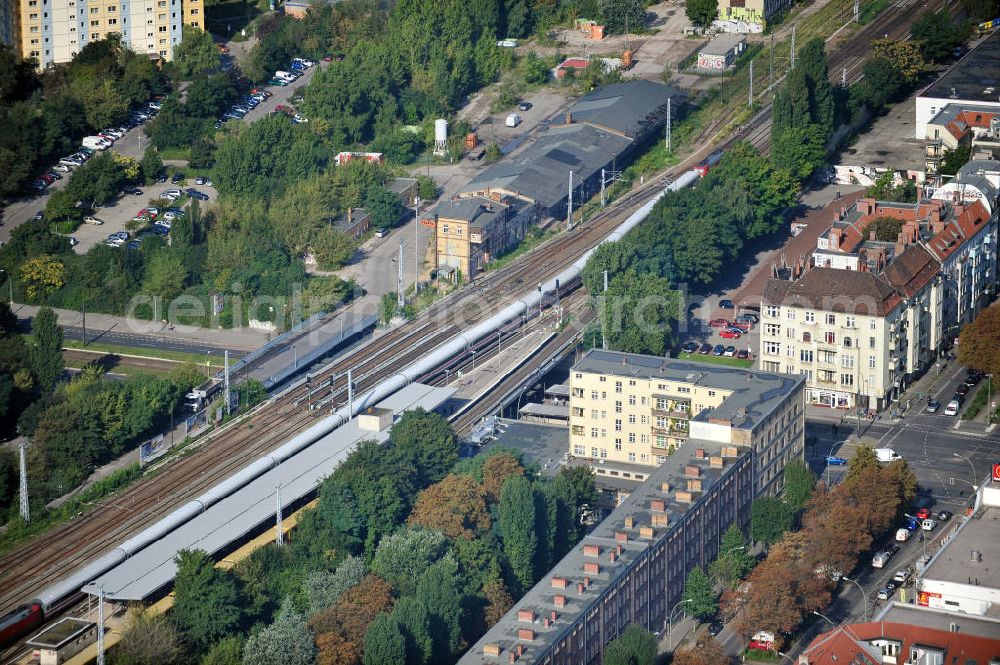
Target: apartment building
(471,231)
(962,125)
(630,412)
(9,20)
(886,290)
(750,15)
(632,567)
(53,31)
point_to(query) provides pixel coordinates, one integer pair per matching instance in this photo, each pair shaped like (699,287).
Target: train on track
(58,596)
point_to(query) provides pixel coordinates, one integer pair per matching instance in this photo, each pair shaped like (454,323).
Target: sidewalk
(243,339)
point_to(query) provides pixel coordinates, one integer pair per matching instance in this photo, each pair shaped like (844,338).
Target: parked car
(745,326)
(726,303)
(90,219)
(901,577)
(923,513)
(381,233)
(902,535)
(928,524)
(952,408)
(718,323)
(730,352)
(748,316)
(705,349)
(718,350)
(196,194)
(161,229)
(883,594)
(973,378)
(73,242)
(62,167)
(933,406)
(743,354)
(524,106)
(278,82)
(730,333)
(171,194)
(177,177)
(944,516)
(962,390)
(689,347)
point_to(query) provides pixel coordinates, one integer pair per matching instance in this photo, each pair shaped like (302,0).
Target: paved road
(150,342)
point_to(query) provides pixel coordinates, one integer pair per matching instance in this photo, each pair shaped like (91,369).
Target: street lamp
(670,621)
(989,399)
(864,596)
(827,461)
(825,617)
(971,466)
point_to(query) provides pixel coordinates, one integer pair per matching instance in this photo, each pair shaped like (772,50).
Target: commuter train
(31,615)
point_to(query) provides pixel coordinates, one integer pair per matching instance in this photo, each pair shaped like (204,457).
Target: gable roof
(912,270)
(835,290)
(966,224)
(848,644)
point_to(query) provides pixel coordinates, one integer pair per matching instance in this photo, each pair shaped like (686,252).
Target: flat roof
(558,390)
(973,76)
(58,634)
(152,568)
(400,185)
(938,619)
(755,393)
(545,410)
(539,442)
(722,44)
(540,598)
(953,563)
(476,210)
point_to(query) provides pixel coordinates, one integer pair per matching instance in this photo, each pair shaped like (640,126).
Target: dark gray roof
(973,174)
(60,633)
(475,210)
(755,393)
(972,76)
(631,108)
(722,44)
(541,172)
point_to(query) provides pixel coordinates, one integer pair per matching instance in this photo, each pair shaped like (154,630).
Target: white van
(887,455)
(284,76)
(880,559)
(952,408)
(902,535)
(513,120)
(95,143)
(928,524)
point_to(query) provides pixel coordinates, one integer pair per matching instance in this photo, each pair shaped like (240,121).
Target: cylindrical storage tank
(440,130)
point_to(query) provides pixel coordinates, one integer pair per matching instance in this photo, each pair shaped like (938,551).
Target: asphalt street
(149,342)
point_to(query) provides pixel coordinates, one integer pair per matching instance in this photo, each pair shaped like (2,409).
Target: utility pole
(770,76)
(399,278)
(843,77)
(603,199)
(857,11)
(604,339)
(350,396)
(25,508)
(416,245)
(569,204)
(279,537)
(541,296)
(100,625)
(793,46)
(83,315)
(225,378)
(750,97)
(670,119)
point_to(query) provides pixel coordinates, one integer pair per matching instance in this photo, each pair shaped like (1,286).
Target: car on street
(705,349)
(730,333)
(912,524)
(689,347)
(891,585)
(923,513)
(893,549)
(381,233)
(943,516)
(730,352)
(962,390)
(928,524)
(726,303)
(933,406)
(715,628)
(901,577)
(718,323)
(524,106)
(902,535)
(973,378)
(883,594)
(835,461)
(718,350)
(89,219)
(196,194)
(952,408)
(743,354)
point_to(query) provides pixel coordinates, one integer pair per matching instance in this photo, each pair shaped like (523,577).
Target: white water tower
(440,137)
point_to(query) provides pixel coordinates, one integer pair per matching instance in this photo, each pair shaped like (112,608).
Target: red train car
(19,622)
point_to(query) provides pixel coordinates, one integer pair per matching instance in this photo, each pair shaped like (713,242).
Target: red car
(743,354)
(284,108)
(745,326)
(718,323)
(923,513)
(729,333)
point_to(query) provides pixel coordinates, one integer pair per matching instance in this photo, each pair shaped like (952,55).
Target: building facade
(753,14)
(53,31)
(633,566)
(472,231)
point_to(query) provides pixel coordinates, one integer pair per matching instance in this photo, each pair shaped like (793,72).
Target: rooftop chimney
(691,471)
(569,118)
(559,601)
(350,214)
(699,453)
(491,649)
(592,568)
(629,521)
(526,634)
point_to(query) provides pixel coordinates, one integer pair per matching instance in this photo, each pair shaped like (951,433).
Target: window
(642,438)
(770,366)
(772,348)
(810,317)
(112,8)
(871,342)
(847,361)
(618,406)
(95,10)
(808,373)
(806,355)
(593,394)
(631,419)
(684,390)
(618,386)
(579,450)
(631,400)
(828,357)
(790,351)
(830,337)
(772,310)
(711,393)
(847,379)
(661,442)
(643,420)
(578,375)
(603,379)
(618,444)
(631,437)
(593,432)
(94,24)
(827,375)
(631,383)
(32,17)
(871,362)
(790,314)
(618,424)
(604,394)
(849,322)
(631,457)
(112,21)
(871,324)
(807,337)
(847,342)
(790,333)
(163,28)
(661,422)
(661,403)
(772,329)
(831,319)
(458,230)
(595,414)
(593,452)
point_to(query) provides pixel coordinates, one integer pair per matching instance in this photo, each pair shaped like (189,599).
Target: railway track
(29,568)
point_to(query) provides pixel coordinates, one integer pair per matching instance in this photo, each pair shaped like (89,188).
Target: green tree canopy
(734,561)
(699,598)
(639,312)
(45,354)
(635,646)
(701,12)
(799,483)
(517,528)
(197,54)
(413,621)
(770,518)
(425,439)
(207,600)
(286,641)
(384,642)
(438,591)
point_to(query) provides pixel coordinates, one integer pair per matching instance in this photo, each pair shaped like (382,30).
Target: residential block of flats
(630,412)
(885,292)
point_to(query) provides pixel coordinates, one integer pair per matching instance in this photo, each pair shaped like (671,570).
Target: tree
(384,642)
(770,518)
(953,160)
(197,54)
(45,354)
(864,458)
(903,56)
(387,307)
(42,275)
(411,617)
(405,555)
(699,596)
(635,646)
(979,345)
(340,629)
(620,16)
(707,652)
(323,588)
(383,206)
(701,12)
(202,154)
(165,276)
(426,188)
(286,641)
(937,33)
(518,17)
(638,312)
(496,470)
(734,561)
(800,149)
(207,600)
(517,528)
(799,483)
(455,506)
(984,10)
(148,639)
(332,249)
(425,439)
(228,651)
(151,164)
(493,152)
(498,600)
(438,591)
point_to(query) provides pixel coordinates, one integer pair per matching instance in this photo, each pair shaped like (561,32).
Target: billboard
(152,449)
(924,598)
(996,472)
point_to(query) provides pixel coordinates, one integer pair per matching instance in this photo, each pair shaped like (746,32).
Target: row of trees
(408,556)
(44,116)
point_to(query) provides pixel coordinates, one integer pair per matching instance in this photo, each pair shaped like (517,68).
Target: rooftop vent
(975,556)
